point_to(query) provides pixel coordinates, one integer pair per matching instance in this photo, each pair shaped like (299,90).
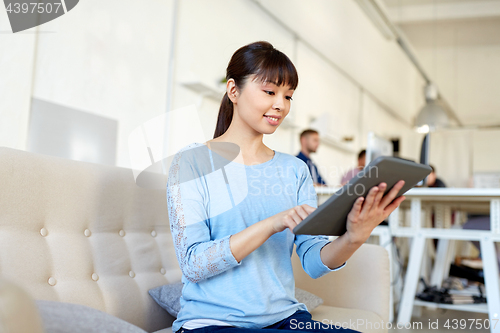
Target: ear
(232,91)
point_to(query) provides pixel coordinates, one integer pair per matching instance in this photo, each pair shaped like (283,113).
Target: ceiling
(457,43)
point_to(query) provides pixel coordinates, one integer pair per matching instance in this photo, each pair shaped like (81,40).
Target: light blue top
(207,204)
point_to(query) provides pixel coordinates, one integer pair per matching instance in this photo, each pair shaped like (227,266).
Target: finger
(295,216)
(356,208)
(301,212)
(370,198)
(392,193)
(290,223)
(380,194)
(308,208)
(389,209)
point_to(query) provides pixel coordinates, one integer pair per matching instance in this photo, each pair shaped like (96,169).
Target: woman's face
(261,105)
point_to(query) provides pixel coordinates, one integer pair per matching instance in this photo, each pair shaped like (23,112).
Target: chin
(267,130)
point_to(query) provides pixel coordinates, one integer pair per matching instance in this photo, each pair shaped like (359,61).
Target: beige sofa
(86,234)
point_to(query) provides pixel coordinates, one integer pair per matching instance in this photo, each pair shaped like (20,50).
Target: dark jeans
(296,322)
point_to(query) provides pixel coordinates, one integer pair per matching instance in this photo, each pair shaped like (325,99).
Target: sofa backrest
(85,233)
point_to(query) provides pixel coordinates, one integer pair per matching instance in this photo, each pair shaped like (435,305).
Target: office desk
(446,199)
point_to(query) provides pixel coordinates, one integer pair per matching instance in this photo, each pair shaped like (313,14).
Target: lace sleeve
(308,247)
(199,257)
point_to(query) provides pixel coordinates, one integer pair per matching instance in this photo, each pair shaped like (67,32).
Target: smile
(272,120)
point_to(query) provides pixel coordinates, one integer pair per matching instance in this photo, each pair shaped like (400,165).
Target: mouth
(273,120)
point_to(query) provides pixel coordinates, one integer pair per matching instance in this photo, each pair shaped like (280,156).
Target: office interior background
(78,86)
(115,65)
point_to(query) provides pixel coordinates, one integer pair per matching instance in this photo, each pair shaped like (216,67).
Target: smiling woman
(232,223)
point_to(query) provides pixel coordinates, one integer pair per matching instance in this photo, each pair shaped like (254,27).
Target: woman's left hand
(365,215)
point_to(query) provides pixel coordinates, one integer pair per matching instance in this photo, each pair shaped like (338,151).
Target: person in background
(432,180)
(309,142)
(353,172)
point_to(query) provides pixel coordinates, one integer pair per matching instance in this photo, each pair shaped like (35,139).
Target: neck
(249,140)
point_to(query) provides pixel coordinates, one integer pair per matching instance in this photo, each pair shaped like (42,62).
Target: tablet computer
(330,218)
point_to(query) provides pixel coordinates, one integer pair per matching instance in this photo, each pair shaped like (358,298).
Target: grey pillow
(60,317)
(310,300)
(169,297)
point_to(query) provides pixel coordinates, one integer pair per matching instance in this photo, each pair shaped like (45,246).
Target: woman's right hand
(290,217)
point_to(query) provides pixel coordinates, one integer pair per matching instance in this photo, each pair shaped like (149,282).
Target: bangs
(277,69)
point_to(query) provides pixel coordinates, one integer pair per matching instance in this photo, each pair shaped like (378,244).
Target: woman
(232,221)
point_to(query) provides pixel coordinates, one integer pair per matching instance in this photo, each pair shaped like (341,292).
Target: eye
(289,98)
(269,92)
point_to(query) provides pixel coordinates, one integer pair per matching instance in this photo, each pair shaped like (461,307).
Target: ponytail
(225,116)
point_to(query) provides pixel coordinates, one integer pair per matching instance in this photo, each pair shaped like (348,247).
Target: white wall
(486,151)
(105,58)
(451,152)
(462,57)
(16,67)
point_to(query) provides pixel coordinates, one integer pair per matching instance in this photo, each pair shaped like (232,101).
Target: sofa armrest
(364,282)
(18,312)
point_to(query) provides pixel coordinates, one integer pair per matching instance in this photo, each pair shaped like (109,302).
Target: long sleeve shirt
(208,201)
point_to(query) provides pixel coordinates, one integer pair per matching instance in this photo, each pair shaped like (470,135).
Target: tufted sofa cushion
(85,233)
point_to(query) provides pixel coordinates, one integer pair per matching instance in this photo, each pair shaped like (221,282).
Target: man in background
(353,172)
(433,181)
(309,142)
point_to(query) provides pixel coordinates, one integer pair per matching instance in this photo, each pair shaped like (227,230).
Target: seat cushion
(59,317)
(359,320)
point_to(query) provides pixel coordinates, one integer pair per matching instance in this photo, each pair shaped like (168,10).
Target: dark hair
(361,154)
(307,132)
(260,59)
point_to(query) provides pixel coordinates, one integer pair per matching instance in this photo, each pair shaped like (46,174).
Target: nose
(278,104)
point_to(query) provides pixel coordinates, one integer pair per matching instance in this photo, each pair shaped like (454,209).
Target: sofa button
(44,232)
(163,271)
(131,274)
(95,277)
(122,233)
(52,281)
(87,233)
(153,233)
